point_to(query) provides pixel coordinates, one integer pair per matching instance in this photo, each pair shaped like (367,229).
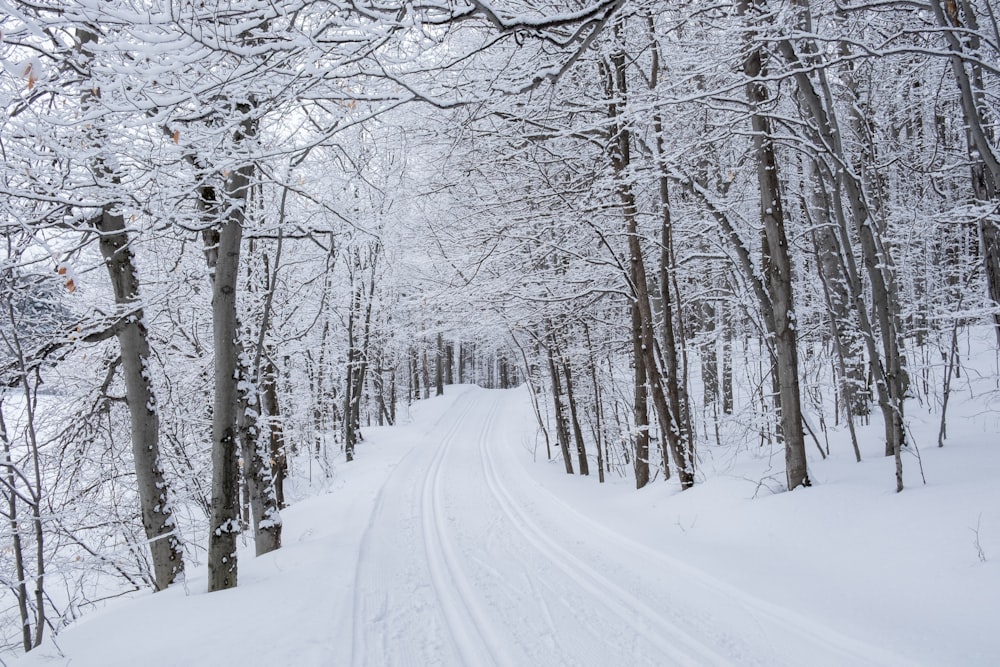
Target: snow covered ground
(445,543)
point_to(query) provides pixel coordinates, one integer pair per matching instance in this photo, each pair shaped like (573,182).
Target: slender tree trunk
(257,477)
(727,361)
(224,518)
(414,375)
(640,405)
(157,516)
(439,367)
(425,370)
(888,367)
(392,397)
(581,447)
(353,361)
(830,268)
(676,372)
(276,437)
(17,545)
(598,409)
(778,267)
(561,426)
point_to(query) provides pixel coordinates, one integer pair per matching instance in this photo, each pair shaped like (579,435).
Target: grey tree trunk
(562,428)
(675,365)
(224,519)
(581,447)
(224,523)
(158,521)
(276,436)
(353,362)
(778,267)
(598,407)
(20,589)
(640,402)
(727,361)
(439,367)
(830,267)
(257,475)
(449,365)
(166,549)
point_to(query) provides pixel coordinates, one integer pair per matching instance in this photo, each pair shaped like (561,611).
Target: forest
(238,234)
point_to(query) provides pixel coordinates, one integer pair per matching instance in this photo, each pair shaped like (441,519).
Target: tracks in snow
(413,604)
(788,628)
(465,561)
(677,646)
(468,622)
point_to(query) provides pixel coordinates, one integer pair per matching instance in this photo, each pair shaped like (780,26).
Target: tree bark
(257,472)
(224,519)
(778,266)
(224,516)
(166,549)
(562,430)
(581,447)
(439,367)
(276,436)
(158,521)
(640,404)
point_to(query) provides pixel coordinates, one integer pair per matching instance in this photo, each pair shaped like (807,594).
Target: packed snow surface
(452,541)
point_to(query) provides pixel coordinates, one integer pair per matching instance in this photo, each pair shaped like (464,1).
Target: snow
(444,544)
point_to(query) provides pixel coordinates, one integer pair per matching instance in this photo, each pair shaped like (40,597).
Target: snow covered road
(446,543)
(466,560)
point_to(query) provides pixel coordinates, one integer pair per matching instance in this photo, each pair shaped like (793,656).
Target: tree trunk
(778,267)
(449,364)
(581,447)
(439,367)
(561,428)
(598,409)
(727,362)
(158,521)
(425,370)
(224,519)
(224,515)
(350,426)
(888,367)
(677,391)
(257,477)
(276,437)
(20,588)
(414,375)
(640,406)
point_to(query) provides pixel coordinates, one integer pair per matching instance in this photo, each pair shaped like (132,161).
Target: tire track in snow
(674,643)
(369,643)
(845,650)
(468,622)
